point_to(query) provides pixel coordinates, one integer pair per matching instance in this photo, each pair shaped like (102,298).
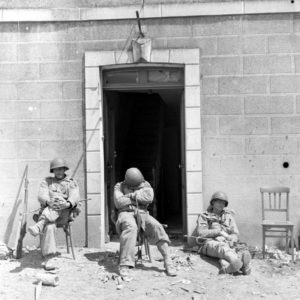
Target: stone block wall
(249,102)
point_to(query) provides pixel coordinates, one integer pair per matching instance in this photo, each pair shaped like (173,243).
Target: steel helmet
(58,163)
(133,177)
(220,196)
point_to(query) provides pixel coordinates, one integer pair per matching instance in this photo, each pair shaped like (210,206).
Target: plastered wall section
(94,131)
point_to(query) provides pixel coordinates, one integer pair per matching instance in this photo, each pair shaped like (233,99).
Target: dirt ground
(93,275)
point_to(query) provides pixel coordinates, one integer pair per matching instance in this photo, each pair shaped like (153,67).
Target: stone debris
(5,252)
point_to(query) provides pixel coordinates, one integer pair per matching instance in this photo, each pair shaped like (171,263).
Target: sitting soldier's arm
(74,195)
(43,194)
(230,230)
(203,229)
(120,199)
(143,195)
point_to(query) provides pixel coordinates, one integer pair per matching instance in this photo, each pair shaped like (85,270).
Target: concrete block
(61,110)
(92,140)
(160,55)
(93,162)
(8,91)
(243,85)
(8,169)
(16,72)
(209,86)
(39,90)
(194,182)
(285,125)
(7,110)
(187,56)
(220,66)
(213,105)
(207,45)
(8,130)
(93,183)
(229,45)
(94,205)
(94,224)
(8,188)
(211,165)
(73,129)
(37,169)
(28,149)
(254,44)
(264,23)
(92,77)
(240,125)
(92,119)
(218,146)
(8,150)
(70,150)
(269,104)
(271,145)
(61,71)
(221,25)
(124,57)
(99,58)
(192,75)
(264,64)
(8,53)
(92,98)
(27,109)
(72,90)
(209,126)
(285,84)
(192,117)
(192,96)
(193,160)
(283,43)
(297,63)
(193,139)
(245,165)
(58,31)
(169,27)
(9,32)
(194,203)
(192,223)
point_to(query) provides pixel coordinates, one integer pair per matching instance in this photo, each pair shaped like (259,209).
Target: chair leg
(147,249)
(71,241)
(66,230)
(263,244)
(292,243)
(287,241)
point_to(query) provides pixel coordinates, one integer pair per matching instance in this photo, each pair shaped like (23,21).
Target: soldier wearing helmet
(131,198)
(58,195)
(218,233)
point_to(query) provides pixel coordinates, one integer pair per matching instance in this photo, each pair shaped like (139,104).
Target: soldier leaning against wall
(59,197)
(218,235)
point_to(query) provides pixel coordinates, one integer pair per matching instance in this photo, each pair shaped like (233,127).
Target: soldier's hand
(60,204)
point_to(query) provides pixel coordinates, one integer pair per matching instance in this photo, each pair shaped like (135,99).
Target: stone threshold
(242,7)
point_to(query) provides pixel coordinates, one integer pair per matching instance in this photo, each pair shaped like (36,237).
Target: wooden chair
(143,241)
(275,216)
(67,227)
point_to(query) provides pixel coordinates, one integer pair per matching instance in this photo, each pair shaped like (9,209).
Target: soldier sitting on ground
(132,192)
(218,234)
(58,196)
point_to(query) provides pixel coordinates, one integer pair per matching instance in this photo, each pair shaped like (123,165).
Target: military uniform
(125,199)
(52,188)
(216,235)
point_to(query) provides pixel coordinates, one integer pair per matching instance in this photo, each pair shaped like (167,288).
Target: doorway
(143,128)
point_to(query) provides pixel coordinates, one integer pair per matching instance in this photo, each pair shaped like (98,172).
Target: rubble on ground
(5,252)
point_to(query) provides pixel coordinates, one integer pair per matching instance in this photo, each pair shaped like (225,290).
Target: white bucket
(141,49)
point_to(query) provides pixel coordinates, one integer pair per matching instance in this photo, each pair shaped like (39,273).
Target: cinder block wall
(250,102)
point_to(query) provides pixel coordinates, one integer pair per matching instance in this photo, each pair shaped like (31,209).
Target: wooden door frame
(96,60)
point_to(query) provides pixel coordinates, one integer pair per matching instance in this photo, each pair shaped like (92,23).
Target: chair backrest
(275,200)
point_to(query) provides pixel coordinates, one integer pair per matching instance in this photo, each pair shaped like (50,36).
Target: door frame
(94,134)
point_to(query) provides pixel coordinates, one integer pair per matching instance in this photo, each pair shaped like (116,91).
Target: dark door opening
(143,129)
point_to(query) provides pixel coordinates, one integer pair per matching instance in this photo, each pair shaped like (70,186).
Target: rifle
(139,230)
(21,231)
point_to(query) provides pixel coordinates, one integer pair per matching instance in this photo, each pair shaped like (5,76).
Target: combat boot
(163,249)
(37,228)
(246,258)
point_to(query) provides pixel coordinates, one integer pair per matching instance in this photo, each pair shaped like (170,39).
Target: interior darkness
(143,130)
